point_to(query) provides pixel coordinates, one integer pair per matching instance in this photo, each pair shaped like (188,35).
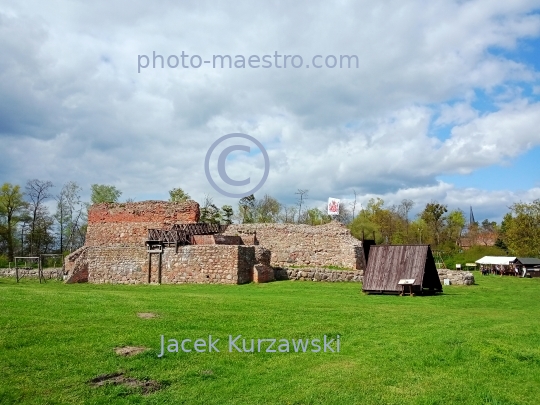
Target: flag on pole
(333,206)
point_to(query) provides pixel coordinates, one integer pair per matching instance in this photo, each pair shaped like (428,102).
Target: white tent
(495,260)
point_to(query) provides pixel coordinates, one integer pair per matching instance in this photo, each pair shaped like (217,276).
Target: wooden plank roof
(388,264)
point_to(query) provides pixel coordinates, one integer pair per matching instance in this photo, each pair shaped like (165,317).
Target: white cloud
(74,106)
(492,138)
(458,113)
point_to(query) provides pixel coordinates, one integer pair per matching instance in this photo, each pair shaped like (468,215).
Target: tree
(487,233)
(419,230)
(227,214)
(362,226)
(488,226)
(267,209)
(246,209)
(38,192)
(316,216)
(386,221)
(403,209)
(210,214)
(505,225)
(433,216)
(353,206)
(344,216)
(313,216)
(70,215)
(12,205)
(178,195)
(102,193)
(43,237)
(522,229)
(455,223)
(473,230)
(287,214)
(24,220)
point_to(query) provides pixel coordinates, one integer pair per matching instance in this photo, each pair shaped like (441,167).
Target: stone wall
(262,271)
(223,264)
(456,277)
(126,224)
(48,273)
(305,245)
(217,240)
(76,266)
(318,274)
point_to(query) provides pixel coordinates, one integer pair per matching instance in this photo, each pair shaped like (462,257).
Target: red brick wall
(126,224)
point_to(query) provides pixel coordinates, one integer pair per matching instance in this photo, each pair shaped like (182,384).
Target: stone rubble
(456,277)
(319,274)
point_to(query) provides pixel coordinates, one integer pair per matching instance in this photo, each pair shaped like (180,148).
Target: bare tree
(345,215)
(303,195)
(70,215)
(288,214)
(37,192)
(353,205)
(404,209)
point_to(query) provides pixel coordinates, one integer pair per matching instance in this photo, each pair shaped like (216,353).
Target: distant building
(480,239)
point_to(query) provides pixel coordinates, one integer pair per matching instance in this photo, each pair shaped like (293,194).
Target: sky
(443,104)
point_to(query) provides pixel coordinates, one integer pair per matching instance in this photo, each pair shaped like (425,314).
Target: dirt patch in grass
(206,374)
(145,386)
(146,315)
(128,351)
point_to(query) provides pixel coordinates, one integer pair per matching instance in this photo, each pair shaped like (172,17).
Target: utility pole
(303,196)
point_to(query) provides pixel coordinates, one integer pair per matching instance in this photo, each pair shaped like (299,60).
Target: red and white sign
(333,206)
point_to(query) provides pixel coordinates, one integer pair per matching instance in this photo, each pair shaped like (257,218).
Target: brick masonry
(305,245)
(126,224)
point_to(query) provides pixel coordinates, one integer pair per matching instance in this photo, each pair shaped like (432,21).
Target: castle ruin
(162,242)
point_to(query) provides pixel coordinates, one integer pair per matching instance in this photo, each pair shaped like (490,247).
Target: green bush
(4,261)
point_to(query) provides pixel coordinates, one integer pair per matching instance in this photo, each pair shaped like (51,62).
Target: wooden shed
(388,264)
(530,264)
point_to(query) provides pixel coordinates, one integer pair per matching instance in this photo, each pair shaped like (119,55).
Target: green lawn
(474,345)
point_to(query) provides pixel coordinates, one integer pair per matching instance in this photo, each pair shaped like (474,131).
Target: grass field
(470,345)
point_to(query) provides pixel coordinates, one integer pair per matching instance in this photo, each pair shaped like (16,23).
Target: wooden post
(159,267)
(149,267)
(40,274)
